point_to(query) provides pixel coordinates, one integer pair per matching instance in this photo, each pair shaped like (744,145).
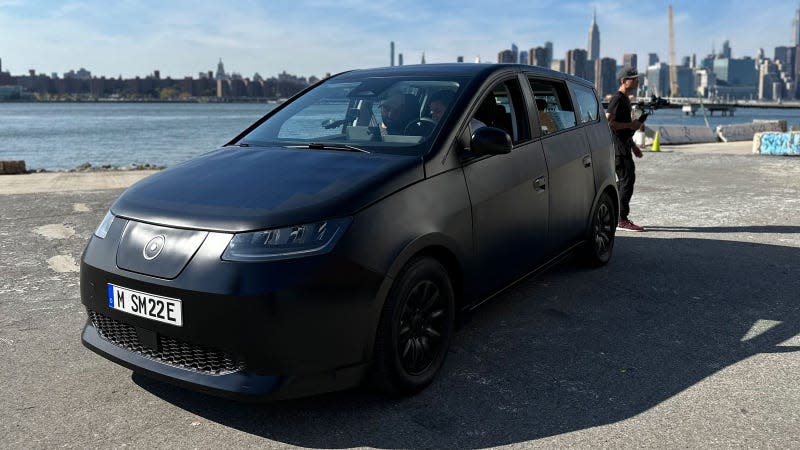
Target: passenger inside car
(546,122)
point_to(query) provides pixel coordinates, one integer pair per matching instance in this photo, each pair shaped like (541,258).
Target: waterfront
(61,136)
(58,136)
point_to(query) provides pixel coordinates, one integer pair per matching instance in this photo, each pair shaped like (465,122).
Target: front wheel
(600,241)
(415,328)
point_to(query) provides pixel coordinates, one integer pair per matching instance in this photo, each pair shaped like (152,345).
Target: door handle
(587,161)
(540,184)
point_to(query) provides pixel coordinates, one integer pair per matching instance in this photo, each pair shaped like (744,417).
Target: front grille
(170,351)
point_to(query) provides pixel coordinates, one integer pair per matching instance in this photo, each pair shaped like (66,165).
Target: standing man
(622,129)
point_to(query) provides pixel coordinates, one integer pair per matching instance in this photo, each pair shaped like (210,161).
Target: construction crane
(673,67)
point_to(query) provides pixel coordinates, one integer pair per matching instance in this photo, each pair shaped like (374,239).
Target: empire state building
(593,46)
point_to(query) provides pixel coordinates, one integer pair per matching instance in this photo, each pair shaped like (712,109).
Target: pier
(723,109)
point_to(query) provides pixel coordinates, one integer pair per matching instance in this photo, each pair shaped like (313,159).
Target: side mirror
(490,141)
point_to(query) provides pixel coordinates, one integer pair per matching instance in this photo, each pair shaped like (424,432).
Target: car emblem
(153,247)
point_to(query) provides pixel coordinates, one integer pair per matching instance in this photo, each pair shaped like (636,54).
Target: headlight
(102,229)
(286,243)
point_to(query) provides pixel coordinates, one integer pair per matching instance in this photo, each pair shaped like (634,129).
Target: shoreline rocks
(88,167)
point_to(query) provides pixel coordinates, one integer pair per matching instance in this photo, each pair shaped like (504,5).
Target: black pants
(626,177)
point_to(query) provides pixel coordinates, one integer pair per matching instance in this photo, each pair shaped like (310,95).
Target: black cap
(626,73)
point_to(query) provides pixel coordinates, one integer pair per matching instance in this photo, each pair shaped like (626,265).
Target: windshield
(400,115)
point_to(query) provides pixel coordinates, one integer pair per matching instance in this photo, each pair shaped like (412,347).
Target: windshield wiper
(321,146)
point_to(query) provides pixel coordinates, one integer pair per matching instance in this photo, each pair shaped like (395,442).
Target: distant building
(391,54)
(81,74)
(769,82)
(221,75)
(629,59)
(704,80)
(652,58)
(506,57)
(605,76)
(575,62)
(549,47)
(796,28)
(523,57)
(514,53)
(787,57)
(736,72)
(557,65)
(538,56)
(593,43)
(726,49)
(658,80)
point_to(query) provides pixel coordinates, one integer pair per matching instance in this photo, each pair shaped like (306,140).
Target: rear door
(596,132)
(569,160)
(507,192)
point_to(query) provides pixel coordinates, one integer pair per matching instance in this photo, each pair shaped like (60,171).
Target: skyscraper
(221,75)
(575,63)
(605,76)
(593,45)
(391,53)
(549,47)
(726,49)
(630,59)
(514,53)
(796,28)
(537,56)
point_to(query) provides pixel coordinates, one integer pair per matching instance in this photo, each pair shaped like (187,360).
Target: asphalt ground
(688,338)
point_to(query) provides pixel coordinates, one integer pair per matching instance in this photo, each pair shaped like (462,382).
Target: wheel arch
(611,190)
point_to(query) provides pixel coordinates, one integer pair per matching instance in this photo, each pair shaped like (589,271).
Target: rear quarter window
(588,106)
(553,105)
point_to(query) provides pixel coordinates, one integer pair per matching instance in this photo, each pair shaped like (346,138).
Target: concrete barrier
(674,134)
(746,131)
(12,167)
(773,143)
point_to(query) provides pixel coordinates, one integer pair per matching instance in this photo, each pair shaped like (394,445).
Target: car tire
(415,328)
(599,244)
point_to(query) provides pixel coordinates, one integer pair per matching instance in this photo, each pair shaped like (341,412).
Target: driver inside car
(397,112)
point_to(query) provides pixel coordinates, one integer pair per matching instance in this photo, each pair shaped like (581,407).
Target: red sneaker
(627,225)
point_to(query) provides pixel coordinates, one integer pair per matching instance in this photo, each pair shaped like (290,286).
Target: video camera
(649,107)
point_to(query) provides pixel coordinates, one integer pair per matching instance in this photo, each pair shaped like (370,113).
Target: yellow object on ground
(656,147)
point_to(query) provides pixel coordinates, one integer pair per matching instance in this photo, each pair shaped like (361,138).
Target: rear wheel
(600,242)
(415,328)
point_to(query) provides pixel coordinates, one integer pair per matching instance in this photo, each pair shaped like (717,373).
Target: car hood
(239,189)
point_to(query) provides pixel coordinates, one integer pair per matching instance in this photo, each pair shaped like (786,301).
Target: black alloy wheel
(415,328)
(600,242)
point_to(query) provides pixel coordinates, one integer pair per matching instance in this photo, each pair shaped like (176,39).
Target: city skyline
(312,38)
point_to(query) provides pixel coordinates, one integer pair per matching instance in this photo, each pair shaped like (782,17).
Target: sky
(314,37)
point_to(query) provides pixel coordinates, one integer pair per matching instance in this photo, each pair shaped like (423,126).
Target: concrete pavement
(688,338)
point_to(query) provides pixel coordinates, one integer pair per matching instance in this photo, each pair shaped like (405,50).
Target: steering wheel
(420,127)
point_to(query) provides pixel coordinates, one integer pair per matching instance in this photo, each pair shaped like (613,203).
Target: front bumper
(250,330)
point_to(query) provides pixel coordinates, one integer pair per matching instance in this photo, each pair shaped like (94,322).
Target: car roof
(472,70)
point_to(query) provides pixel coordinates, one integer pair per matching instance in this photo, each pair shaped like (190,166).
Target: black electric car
(337,239)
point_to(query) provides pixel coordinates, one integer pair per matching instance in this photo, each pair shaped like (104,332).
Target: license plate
(142,304)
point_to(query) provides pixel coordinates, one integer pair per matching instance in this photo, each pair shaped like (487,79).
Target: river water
(58,136)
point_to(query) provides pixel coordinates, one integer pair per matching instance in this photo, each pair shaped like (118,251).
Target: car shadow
(568,350)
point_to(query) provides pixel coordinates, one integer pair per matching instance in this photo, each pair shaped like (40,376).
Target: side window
(587,104)
(554,105)
(503,108)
